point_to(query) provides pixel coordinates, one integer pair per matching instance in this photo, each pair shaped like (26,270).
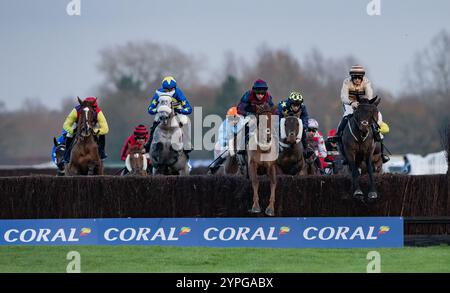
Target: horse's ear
(79,100)
(55,142)
(376,100)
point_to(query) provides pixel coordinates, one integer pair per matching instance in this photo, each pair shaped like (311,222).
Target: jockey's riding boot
(68,143)
(341,127)
(384,157)
(338,137)
(215,165)
(101,146)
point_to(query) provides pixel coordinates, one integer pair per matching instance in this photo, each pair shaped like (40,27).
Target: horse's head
(291,129)
(165,107)
(86,120)
(366,114)
(136,162)
(264,120)
(60,148)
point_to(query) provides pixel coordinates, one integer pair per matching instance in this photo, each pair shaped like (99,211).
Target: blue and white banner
(213,232)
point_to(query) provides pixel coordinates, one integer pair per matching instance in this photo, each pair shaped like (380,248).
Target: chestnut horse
(84,157)
(262,155)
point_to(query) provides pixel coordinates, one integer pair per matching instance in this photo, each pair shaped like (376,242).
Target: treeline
(418,117)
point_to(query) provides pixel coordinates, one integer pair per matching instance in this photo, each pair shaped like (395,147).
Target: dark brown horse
(290,160)
(262,154)
(359,144)
(84,157)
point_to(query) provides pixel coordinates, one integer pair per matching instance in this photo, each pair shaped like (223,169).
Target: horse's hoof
(270,212)
(255,210)
(358,193)
(372,195)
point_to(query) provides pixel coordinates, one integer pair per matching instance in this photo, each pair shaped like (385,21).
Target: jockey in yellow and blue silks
(182,105)
(101,126)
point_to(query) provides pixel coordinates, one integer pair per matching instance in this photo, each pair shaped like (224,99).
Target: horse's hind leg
(270,210)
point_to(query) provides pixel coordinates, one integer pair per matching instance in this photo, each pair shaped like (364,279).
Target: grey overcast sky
(48,55)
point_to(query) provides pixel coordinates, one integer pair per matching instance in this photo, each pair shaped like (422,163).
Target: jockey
(182,105)
(255,98)
(139,137)
(354,87)
(318,143)
(294,105)
(228,132)
(101,126)
(252,100)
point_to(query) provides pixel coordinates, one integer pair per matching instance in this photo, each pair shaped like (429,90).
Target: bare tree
(145,63)
(429,74)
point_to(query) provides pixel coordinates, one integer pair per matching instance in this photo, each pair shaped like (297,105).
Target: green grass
(197,259)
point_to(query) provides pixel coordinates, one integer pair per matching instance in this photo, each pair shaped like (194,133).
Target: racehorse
(166,149)
(359,144)
(84,156)
(311,157)
(290,160)
(261,157)
(136,161)
(60,148)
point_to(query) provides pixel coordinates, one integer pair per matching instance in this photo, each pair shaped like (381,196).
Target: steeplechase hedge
(43,196)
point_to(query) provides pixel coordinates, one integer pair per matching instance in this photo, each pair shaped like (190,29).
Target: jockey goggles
(260,92)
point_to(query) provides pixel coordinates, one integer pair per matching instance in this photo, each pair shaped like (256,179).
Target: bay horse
(290,160)
(166,149)
(84,156)
(136,161)
(359,144)
(262,155)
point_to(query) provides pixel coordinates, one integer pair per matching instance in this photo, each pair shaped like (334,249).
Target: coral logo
(184,230)
(85,231)
(284,230)
(383,230)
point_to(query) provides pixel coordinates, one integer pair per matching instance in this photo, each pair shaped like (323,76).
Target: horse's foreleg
(253,169)
(93,168)
(270,210)
(372,190)
(356,189)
